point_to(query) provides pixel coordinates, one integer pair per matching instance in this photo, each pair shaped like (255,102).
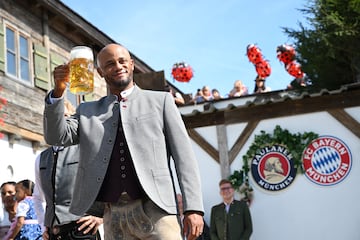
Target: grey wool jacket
(57,179)
(154,132)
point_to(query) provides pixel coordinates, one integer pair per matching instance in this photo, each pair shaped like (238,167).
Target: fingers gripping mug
(81,70)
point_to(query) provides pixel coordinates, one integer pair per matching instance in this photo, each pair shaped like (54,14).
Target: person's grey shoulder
(154,93)
(106,100)
(160,96)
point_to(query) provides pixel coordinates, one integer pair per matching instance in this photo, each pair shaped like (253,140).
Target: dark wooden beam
(345,119)
(287,107)
(214,154)
(294,107)
(242,139)
(204,119)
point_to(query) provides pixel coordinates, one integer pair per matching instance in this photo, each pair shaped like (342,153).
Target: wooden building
(35,37)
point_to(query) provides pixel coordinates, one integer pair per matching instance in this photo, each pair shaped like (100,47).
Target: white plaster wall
(210,175)
(304,210)
(354,112)
(19,157)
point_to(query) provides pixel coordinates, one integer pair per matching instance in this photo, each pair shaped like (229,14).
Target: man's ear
(133,64)
(99,71)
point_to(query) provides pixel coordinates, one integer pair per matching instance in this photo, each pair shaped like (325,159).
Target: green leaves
(237,179)
(328,48)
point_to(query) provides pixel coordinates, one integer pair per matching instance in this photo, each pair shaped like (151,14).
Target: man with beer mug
(126,140)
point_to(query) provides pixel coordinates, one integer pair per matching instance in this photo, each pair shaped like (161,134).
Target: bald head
(111,49)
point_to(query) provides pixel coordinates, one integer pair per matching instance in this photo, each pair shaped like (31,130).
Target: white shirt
(38,195)
(4,216)
(227,207)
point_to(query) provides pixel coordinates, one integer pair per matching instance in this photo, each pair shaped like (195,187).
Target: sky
(211,36)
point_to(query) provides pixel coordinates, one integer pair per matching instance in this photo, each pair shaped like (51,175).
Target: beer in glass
(81,70)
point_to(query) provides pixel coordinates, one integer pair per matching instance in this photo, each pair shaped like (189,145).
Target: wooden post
(223,150)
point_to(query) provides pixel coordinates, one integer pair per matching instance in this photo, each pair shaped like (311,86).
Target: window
(24,59)
(17,54)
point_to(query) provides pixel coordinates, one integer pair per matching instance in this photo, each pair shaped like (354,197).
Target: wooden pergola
(266,106)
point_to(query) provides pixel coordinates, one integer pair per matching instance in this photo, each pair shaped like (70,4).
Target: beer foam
(81,52)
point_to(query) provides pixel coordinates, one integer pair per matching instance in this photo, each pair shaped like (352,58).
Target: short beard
(122,83)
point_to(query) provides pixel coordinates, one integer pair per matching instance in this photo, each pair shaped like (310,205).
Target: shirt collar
(57,148)
(125,94)
(232,200)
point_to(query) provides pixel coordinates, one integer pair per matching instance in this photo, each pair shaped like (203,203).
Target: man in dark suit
(231,219)
(126,140)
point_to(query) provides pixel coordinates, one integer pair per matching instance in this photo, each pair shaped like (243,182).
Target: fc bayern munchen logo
(272,168)
(327,160)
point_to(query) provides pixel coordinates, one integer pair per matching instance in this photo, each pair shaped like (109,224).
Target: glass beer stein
(81,70)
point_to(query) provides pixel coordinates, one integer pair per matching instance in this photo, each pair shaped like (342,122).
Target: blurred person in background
(179,100)
(260,86)
(203,95)
(216,94)
(238,90)
(8,210)
(230,219)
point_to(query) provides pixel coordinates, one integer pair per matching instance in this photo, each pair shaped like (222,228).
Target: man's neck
(228,201)
(123,93)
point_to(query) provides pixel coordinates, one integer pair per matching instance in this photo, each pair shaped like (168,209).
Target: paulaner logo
(327,161)
(272,168)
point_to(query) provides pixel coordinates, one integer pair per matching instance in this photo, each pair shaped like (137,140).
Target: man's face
(7,195)
(117,67)
(278,166)
(238,86)
(260,82)
(226,191)
(206,91)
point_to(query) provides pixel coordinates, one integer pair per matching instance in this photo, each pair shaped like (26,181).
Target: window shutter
(40,67)
(2,49)
(55,60)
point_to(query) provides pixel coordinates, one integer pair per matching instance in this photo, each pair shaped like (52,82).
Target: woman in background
(216,94)
(203,95)
(238,90)
(260,85)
